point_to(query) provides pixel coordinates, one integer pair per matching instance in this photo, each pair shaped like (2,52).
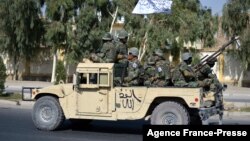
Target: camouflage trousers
(131,83)
(216,87)
(118,82)
(97,59)
(156,83)
(192,84)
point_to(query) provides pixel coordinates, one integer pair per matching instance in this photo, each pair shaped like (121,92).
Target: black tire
(79,123)
(47,114)
(196,120)
(170,113)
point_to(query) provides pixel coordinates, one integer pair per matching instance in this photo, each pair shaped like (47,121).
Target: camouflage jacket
(122,49)
(163,70)
(134,70)
(108,53)
(184,76)
(207,73)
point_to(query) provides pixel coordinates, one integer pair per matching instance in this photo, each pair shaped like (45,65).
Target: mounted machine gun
(212,57)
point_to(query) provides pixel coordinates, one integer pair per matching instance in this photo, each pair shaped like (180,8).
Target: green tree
(58,15)
(75,27)
(187,22)
(235,21)
(93,20)
(2,75)
(207,27)
(21,30)
(60,73)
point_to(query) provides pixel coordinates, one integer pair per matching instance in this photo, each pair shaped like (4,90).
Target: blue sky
(215,5)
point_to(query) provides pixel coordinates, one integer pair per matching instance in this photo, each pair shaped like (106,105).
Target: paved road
(16,125)
(237,94)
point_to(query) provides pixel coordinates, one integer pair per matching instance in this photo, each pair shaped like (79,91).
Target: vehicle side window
(89,80)
(83,78)
(104,79)
(93,78)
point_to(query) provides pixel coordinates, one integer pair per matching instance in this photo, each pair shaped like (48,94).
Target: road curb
(235,105)
(16,104)
(230,114)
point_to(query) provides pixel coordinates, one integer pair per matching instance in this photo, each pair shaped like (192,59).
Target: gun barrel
(205,60)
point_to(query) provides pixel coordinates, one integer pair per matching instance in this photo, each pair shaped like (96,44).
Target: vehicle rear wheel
(47,113)
(170,113)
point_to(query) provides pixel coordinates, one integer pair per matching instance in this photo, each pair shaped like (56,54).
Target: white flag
(153,6)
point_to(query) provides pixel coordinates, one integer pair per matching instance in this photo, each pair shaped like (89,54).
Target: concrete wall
(39,70)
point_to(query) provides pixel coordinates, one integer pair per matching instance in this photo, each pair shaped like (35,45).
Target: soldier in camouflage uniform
(134,68)
(184,75)
(149,72)
(212,92)
(207,73)
(163,76)
(121,63)
(157,70)
(122,48)
(108,51)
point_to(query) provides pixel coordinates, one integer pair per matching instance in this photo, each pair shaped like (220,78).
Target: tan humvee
(97,98)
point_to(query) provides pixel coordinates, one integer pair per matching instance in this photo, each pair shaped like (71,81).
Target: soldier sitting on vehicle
(121,63)
(122,48)
(157,70)
(163,69)
(149,72)
(214,87)
(108,51)
(184,76)
(206,72)
(134,69)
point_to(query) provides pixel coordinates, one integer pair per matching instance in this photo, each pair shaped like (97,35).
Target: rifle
(215,55)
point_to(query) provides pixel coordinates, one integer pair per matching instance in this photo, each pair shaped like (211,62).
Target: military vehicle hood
(60,90)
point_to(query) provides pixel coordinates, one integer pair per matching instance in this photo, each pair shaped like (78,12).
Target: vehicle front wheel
(170,113)
(47,113)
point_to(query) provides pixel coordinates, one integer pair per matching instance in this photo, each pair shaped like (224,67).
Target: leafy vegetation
(2,75)
(74,27)
(21,30)
(236,21)
(11,97)
(60,73)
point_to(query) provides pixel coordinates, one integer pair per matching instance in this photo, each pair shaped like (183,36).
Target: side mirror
(75,79)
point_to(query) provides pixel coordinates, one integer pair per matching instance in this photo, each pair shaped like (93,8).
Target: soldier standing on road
(184,75)
(108,51)
(134,68)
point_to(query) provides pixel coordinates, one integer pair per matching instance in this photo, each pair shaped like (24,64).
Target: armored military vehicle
(93,96)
